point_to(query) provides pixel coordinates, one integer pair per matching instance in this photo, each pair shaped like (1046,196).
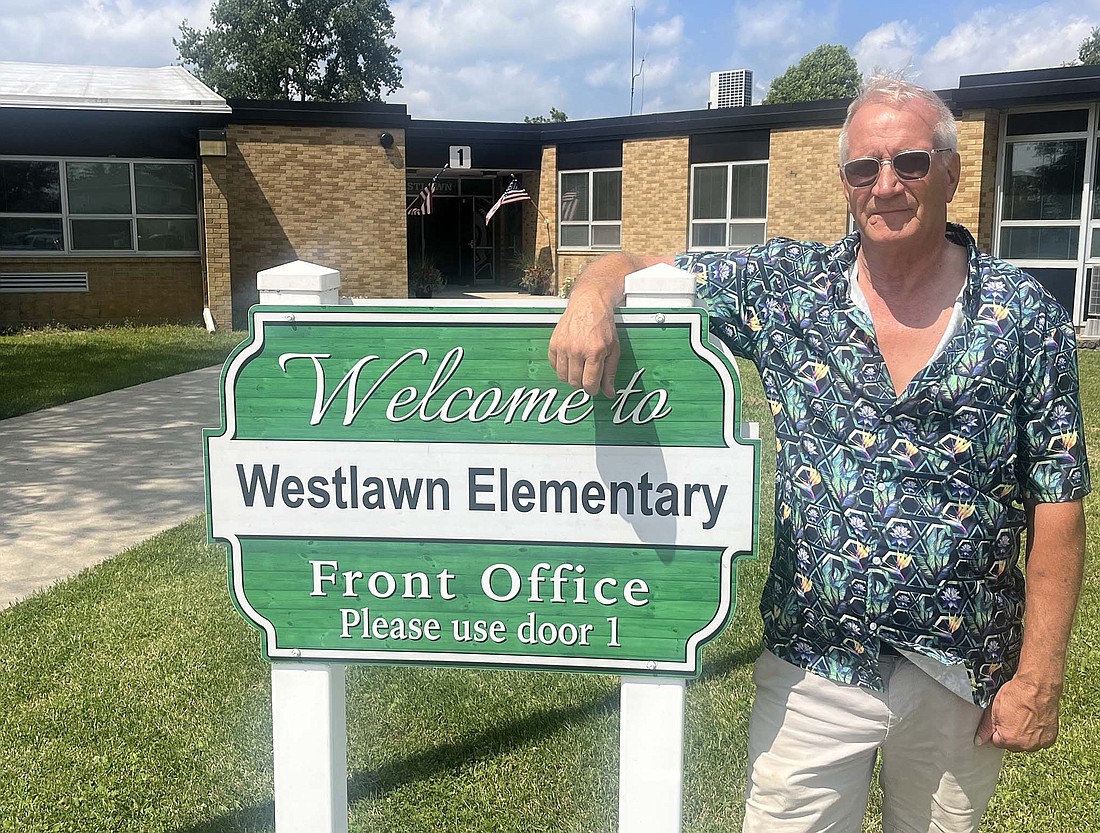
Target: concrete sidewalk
(84,481)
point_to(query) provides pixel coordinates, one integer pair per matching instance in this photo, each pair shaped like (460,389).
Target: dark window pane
(30,233)
(98,187)
(574,197)
(606,235)
(1094,244)
(165,189)
(746,234)
(30,187)
(1096,185)
(750,191)
(1039,242)
(477,187)
(574,235)
(607,195)
(101,235)
(1043,180)
(708,234)
(708,200)
(167,235)
(1052,121)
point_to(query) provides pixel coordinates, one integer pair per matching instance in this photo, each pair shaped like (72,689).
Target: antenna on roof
(641,67)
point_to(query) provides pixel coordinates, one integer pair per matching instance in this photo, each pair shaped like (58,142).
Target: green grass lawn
(133,698)
(43,368)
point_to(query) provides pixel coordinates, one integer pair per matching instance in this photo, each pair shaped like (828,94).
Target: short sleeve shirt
(898,518)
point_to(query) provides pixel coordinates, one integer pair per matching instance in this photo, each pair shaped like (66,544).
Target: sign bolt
(659,318)
(651,665)
(296,652)
(288,317)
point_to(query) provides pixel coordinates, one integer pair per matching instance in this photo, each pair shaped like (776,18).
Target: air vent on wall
(43,281)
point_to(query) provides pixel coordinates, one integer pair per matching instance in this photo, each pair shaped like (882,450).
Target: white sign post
(651,712)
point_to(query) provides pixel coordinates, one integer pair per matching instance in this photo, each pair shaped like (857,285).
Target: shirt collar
(841,256)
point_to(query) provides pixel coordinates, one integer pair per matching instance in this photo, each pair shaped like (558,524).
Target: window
(98,206)
(729,205)
(1043,185)
(590,209)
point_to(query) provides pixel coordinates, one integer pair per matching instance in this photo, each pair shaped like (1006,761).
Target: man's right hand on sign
(584,349)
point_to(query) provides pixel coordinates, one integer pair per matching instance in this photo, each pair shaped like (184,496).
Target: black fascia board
(650,125)
(136,134)
(1029,87)
(688,122)
(318,113)
(454,131)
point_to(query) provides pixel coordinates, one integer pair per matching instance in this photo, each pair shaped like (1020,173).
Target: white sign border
(261,317)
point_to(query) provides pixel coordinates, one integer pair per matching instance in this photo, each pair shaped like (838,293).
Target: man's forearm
(605,279)
(584,349)
(1055,563)
(1024,713)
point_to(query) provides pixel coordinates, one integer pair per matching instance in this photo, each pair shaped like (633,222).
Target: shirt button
(872,627)
(888,418)
(882,487)
(876,560)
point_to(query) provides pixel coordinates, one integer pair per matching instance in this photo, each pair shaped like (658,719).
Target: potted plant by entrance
(424,278)
(536,276)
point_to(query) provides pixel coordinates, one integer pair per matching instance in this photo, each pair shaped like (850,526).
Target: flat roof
(62,86)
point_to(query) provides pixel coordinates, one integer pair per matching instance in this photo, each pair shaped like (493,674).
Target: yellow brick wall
(215,228)
(138,289)
(805,198)
(655,196)
(328,195)
(974,201)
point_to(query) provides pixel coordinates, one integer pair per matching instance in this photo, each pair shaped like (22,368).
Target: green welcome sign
(412,485)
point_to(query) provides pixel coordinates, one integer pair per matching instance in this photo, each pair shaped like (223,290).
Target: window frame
(66,216)
(729,220)
(590,223)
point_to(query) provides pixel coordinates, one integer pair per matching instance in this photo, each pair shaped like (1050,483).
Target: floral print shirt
(898,518)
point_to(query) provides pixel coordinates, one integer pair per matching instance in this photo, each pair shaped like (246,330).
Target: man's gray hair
(883,89)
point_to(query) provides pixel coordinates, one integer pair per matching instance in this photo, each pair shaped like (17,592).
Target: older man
(926,411)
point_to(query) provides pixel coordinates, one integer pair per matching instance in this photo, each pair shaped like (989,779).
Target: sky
(501,60)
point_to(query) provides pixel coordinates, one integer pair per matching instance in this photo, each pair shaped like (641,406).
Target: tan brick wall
(139,289)
(974,201)
(655,196)
(805,198)
(218,285)
(328,195)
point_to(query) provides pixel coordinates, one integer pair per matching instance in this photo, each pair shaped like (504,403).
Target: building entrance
(454,236)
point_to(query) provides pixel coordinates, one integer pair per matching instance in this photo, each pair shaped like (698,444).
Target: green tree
(1089,50)
(827,72)
(555,115)
(308,50)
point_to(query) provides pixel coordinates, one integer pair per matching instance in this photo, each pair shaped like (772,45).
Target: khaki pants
(813,742)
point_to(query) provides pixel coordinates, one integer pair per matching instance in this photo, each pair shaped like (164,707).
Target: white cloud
(484,90)
(539,30)
(995,39)
(605,74)
(668,33)
(783,29)
(106,32)
(566,49)
(889,48)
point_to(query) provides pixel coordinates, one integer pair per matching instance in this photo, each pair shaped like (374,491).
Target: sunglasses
(907,165)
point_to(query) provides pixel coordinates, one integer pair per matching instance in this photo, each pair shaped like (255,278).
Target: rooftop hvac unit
(1092,304)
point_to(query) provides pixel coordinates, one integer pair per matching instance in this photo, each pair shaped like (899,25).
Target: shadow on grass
(450,756)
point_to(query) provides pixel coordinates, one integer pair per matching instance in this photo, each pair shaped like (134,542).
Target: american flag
(513,193)
(426,194)
(568,205)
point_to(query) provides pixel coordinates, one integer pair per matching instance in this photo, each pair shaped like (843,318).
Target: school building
(140,195)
